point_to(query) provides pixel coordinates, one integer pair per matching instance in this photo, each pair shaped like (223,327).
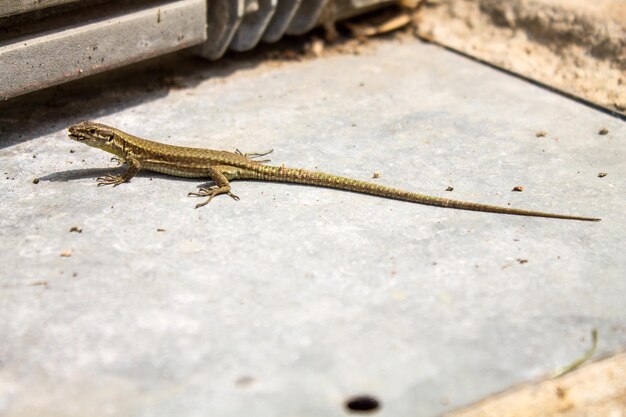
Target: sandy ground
(575,46)
(595,390)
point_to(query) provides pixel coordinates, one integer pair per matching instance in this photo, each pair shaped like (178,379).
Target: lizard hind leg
(253,155)
(221,175)
(212,192)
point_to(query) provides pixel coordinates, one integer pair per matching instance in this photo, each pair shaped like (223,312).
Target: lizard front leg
(221,175)
(115,180)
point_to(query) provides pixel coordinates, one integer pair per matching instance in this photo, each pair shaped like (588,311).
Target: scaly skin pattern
(222,167)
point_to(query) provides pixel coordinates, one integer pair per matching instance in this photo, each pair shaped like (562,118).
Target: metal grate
(48,42)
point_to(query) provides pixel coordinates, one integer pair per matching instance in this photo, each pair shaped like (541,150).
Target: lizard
(223,166)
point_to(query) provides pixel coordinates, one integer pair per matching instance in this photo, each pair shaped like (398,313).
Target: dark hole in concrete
(362,403)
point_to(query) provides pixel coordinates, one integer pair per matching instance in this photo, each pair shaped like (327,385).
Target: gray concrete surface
(295,298)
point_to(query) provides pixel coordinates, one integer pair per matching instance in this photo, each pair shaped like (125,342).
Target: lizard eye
(92,131)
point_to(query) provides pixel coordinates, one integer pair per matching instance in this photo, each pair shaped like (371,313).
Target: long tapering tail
(302,176)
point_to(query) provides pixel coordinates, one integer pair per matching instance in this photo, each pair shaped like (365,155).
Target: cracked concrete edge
(597,389)
(571,45)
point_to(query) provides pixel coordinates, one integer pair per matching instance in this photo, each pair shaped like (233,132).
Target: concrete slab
(74,50)
(23,6)
(296,298)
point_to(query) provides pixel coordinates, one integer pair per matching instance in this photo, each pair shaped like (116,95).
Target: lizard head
(97,135)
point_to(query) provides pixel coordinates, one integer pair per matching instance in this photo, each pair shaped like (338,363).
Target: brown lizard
(223,166)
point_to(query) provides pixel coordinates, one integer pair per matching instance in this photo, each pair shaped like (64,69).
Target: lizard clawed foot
(204,191)
(212,192)
(110,179)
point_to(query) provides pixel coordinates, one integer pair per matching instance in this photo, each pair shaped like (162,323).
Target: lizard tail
(302,176)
